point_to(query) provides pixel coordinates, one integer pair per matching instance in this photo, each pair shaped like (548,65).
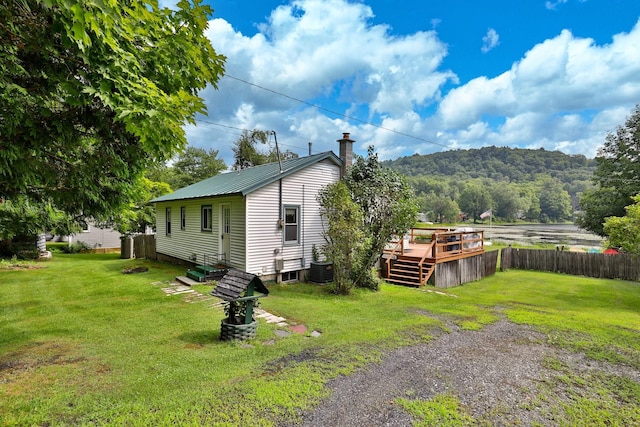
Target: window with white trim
(183,218)
(291,224)
(167,214)
(206,216)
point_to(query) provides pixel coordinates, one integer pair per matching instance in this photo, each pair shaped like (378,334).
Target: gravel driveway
(496,374)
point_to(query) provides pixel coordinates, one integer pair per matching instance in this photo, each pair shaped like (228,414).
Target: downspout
(302,230)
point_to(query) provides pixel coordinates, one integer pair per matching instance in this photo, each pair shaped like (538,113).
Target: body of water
(531,234)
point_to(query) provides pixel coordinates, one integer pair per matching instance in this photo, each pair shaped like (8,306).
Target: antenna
(275,138)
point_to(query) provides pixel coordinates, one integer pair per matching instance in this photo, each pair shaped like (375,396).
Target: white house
(263,220)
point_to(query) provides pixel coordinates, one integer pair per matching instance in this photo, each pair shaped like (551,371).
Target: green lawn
(82,343)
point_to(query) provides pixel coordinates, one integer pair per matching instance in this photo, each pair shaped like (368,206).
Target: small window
(206,218)
(168,221)
(85,226)
(290,276)
(183,218)
(291,228)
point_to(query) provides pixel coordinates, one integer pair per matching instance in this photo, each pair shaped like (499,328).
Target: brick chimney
(346,153)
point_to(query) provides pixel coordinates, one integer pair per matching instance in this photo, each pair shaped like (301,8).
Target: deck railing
(438,242)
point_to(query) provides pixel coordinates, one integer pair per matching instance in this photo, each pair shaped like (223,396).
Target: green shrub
(75,248)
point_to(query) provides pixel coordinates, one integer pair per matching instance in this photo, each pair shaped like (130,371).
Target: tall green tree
(624,232)
(507,201)
(617,176)
(555,202)
(441,207)
(388,204)
(193,165)
(92,92)
(246,152)
(344,235)
(474,200)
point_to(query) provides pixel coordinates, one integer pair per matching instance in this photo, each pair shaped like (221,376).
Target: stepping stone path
(193,296)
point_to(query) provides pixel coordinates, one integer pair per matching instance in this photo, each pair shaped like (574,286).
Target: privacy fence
(620,266)
(142,246)
(458,272)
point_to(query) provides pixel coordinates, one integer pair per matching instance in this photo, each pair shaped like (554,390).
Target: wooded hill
(533,185)
(499,164)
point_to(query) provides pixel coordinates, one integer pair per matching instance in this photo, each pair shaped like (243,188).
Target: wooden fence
(620,266)
(464,270)
(144,246)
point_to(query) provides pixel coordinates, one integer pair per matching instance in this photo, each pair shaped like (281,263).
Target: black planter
(229,331)
(321,272)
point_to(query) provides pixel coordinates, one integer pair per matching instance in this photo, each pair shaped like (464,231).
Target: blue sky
(420,76)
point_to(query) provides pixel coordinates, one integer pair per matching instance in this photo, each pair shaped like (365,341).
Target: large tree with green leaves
(92,92)
(474,200)
(246,152)
(617,176)
(389,207)
(624,232)
(555,202)
(346,241)
(193,165)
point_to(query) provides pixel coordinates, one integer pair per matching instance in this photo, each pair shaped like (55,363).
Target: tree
(141,214)
(555,202)
(475,200)
(388,205)
(193,165)
(442,207)
(344,236)
(89,97)
(617,176)
(20,217)
(507,201)
(624,232)
(246,153)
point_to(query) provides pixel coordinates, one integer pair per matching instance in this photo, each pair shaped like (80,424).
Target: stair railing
(428,252)
(398,245)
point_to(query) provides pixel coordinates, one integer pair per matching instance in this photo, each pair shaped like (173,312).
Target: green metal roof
(247,180)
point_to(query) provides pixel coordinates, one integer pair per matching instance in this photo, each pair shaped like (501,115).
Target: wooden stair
(406,271)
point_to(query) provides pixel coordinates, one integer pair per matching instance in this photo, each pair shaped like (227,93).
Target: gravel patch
(495,373)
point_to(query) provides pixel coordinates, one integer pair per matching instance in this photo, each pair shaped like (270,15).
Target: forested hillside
(497,163)
(515,183)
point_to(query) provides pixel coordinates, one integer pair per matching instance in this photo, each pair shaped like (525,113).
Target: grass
(83,343)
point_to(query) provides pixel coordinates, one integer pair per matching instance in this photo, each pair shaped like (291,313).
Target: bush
(75,248)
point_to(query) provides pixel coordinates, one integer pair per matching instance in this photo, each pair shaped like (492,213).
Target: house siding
(192,242)
(264,241)
(96,237)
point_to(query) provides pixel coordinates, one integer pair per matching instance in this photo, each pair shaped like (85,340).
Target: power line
(248,130)
(319,107)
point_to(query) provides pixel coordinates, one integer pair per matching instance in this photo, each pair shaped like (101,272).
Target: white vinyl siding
(256,233)
(183,244)
(265,235)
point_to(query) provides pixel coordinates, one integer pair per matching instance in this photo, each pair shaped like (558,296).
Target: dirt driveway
(500,375)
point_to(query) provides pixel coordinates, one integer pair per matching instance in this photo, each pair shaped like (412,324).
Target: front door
(225,232)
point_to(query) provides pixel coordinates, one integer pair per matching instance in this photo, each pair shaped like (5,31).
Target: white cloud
(490,40)
(548,89)
(553,5)
(312,49)
(317,51)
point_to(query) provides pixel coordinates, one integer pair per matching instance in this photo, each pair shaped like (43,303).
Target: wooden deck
(412,260)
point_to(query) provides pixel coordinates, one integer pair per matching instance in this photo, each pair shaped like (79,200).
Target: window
(291,228)
(183,218)
(206,217)
(168,221)
(290,276)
